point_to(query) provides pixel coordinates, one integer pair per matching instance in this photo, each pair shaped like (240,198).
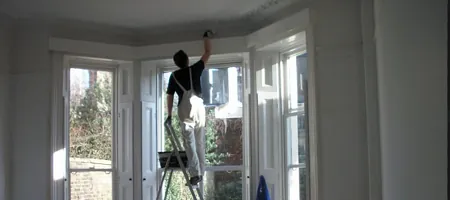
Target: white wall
(343,172)
(30,113)
(412,54)
(5,64)
(342,134)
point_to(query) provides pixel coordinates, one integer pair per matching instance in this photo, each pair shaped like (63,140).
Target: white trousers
(194,144)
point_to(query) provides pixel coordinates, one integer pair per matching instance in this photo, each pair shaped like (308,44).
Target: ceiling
(149,21)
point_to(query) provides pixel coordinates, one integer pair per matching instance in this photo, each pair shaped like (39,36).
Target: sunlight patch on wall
(59,163)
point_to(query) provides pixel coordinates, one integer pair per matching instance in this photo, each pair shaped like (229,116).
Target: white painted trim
(106,170)
(150,52)
(221,168)
(253,123)
(246,185)
(301,166)
(314,145)
(137,131)
(193,48)
(94,49)
(279,30)
(57,187)
(371,99)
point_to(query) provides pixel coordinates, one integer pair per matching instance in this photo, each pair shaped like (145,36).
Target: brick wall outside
(90,185)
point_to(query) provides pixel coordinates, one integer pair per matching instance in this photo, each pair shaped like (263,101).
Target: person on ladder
(191,111)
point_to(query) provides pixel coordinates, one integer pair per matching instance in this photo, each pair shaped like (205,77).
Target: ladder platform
(173,163)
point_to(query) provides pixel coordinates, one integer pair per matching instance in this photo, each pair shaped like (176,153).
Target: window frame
(86,63)
(225,63)
(289,112)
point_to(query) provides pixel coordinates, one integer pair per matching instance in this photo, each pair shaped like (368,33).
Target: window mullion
(301,166)
(90,170)
(214,168)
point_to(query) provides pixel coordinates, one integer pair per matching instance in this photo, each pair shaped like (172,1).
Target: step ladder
(179,164)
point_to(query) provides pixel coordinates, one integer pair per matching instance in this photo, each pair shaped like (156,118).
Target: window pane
(302,77)
(223,185)
(303,183)
(292,85)
(90,134)
(221,85)
(297,94)
(91,186)
(301,138)
(293,140)
(177,189)
(297,139)
(223,140)
(297,183)
(223,131)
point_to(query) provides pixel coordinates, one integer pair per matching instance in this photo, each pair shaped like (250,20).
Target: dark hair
(181,59)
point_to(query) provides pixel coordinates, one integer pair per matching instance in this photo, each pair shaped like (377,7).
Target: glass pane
(177,189)
(91,125)
(221,85)
(301,138)
(217,185)
(296,131)
(297,96)
(292,84)
(297,183)
(292,129)
(91,186)
(223,185)
(302,77)
(223,131)
(303,183)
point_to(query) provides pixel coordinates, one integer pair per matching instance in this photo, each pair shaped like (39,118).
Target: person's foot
(195,180)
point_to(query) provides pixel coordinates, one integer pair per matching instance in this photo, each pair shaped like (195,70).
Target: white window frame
(311,135)
(217,64)
(104,65)
(286,113)
(62,63)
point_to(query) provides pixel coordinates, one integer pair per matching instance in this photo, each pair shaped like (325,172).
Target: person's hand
(208,34)
(169,120)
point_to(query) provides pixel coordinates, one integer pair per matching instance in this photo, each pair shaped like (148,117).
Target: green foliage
(91,122)
(303,183)
(229,189)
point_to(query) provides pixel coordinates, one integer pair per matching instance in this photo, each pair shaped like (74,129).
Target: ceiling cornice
(247,23)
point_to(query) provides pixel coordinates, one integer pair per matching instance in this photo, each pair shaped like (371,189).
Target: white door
(266,69)
(149,134)
(125,131)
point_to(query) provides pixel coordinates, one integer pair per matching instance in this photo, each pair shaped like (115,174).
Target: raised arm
(207,45)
